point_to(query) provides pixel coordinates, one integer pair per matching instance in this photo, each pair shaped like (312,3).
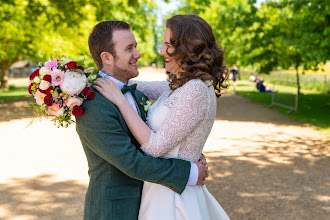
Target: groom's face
(125,62)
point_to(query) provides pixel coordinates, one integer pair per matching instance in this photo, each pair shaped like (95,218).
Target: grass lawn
(16,92)
(313,107)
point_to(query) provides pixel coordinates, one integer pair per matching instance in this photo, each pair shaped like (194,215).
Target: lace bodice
(180,122)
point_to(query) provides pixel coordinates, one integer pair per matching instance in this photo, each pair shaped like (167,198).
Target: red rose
(34,74)
(42,91)
(48,78)
(77,111)
(48,91)
(72,65)
(90,94)
(80,67)
(30,90)
(48,100)
(86,89)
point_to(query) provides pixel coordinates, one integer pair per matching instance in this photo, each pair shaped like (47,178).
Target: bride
(181,118)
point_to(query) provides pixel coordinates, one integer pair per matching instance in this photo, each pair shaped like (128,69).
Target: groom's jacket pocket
(123,192)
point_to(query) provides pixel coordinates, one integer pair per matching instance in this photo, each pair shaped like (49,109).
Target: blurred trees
(37,29)
(278,34)
(281,33)
(290,33)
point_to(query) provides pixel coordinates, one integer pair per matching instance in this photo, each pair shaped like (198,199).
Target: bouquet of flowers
(59,87)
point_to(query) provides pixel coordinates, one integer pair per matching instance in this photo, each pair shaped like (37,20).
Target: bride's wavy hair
(197,52)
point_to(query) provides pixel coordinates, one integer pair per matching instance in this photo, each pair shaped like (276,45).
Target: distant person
(235,72)
(252,78)
(261,87)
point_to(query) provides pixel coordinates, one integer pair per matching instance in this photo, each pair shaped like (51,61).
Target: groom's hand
(202,160)
(203,173)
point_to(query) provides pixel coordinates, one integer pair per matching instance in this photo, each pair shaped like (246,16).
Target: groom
(116,165)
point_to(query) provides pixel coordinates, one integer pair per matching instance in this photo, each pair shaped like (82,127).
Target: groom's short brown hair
(100,40)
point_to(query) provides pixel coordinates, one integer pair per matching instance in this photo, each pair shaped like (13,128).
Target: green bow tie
(130,89)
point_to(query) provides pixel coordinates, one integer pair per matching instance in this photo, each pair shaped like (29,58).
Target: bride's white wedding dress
(181,123)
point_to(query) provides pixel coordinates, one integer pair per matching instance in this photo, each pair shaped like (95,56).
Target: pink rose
(39,96)
(57,77)
(74,101)
(51,64)
(54,110)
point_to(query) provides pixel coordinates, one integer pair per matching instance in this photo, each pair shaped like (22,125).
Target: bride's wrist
(122,103)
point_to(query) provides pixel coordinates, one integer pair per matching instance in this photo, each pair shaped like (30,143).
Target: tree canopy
(277,34)
(37,29)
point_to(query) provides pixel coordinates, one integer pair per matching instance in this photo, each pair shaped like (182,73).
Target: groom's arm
(102,132)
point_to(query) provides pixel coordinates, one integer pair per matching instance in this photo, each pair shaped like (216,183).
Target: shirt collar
(119,83)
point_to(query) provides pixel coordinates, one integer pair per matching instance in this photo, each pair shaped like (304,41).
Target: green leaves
(37,29)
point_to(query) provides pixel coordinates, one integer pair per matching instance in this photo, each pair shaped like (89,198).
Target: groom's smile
(127,55)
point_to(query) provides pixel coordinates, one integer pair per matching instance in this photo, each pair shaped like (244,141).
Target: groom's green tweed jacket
(116,166)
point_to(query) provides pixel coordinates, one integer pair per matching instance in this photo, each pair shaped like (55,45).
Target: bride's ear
(107,58)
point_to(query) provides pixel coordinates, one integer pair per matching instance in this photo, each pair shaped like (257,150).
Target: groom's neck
(114,75)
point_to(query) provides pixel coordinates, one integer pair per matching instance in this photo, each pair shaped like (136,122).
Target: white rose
(37,80)
(72,101)
(147,106)
(44,85)
(64,60)
(61,111)
(44,71)
(73,83)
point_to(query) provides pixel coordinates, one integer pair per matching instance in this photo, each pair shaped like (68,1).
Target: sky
(165,8)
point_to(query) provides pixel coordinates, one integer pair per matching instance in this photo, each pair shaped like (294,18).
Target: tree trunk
(298,82)
(4,76)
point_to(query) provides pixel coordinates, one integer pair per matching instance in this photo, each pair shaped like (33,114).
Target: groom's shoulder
(98,104)
(98,100)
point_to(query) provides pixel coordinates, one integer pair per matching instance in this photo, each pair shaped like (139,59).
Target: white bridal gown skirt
(195,203)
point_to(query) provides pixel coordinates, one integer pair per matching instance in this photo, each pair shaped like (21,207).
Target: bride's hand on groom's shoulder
(109,89)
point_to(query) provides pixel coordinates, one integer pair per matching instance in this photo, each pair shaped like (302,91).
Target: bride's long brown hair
(197,52)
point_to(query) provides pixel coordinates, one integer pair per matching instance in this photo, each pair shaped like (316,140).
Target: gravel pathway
(262,164)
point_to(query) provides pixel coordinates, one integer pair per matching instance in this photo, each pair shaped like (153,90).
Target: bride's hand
(110,90)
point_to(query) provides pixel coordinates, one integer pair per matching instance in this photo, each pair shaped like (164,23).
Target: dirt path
(263,165)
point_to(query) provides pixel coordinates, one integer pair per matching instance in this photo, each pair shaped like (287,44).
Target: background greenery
(287,38)
(278,34)
(313,106)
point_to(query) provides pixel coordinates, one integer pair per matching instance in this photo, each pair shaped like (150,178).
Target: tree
(229,20)
(280,33)
(290,33)
(305,32)
(37,29)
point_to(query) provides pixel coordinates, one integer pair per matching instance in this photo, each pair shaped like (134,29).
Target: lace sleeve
(189,108)
(152,89)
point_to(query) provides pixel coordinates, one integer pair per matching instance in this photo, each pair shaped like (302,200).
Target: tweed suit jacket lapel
(138,96)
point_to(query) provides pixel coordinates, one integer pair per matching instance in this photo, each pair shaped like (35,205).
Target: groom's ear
(107,58)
